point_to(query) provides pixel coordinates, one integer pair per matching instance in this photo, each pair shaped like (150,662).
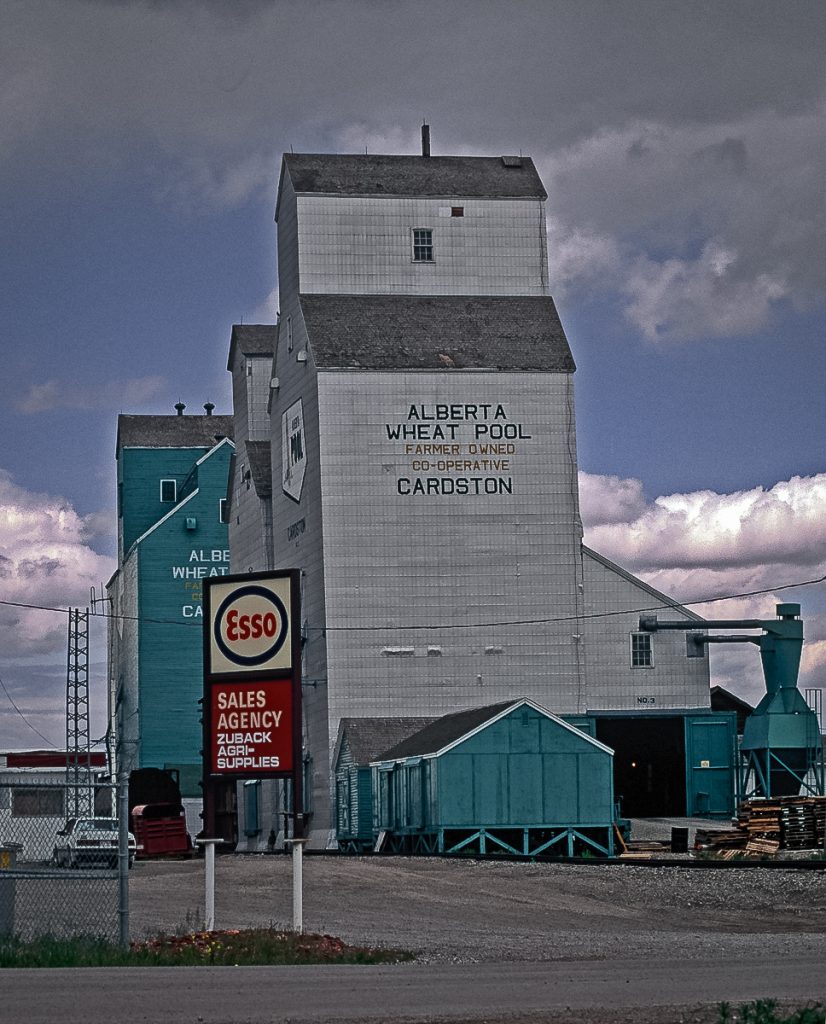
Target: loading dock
(673,763)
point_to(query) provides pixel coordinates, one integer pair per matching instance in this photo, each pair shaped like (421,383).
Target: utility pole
(79,795)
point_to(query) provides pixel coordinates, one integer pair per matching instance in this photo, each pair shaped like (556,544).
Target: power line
(453,625)
(589,615)
(28,723)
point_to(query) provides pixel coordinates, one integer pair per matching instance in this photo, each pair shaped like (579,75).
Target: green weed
(231,947)
(764,1011)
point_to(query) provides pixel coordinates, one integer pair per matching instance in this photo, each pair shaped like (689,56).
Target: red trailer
(160,831)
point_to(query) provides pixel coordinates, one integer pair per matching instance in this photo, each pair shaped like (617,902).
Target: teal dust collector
(781,750)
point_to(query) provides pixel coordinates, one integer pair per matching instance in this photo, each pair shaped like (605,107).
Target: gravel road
(496,942)
(465,911)
(457,913)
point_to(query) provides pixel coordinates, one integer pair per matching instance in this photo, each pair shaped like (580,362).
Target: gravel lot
(466,911)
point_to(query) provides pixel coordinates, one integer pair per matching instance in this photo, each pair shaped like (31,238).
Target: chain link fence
(63,860)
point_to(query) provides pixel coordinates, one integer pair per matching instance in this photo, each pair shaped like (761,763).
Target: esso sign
(244,627)
(250,626)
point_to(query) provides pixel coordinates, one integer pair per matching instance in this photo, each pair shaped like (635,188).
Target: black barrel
(679,840)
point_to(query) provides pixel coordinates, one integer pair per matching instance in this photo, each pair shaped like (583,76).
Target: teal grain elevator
(172,534)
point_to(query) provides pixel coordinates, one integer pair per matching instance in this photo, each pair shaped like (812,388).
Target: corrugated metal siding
(674,681)
(363,246)
(172,564)
(298,543)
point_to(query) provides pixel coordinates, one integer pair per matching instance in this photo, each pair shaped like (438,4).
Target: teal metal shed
(360,741)
(507,778)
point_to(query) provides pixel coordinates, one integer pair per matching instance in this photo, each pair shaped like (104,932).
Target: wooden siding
(526,769)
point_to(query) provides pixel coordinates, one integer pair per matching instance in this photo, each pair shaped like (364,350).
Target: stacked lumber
(793,822)
(820,819)
(647,845)
(762,847)
(721,840)
(760,819)
(797,826)
(765,826)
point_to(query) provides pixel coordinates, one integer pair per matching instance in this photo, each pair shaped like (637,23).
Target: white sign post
(298,883)
(209,881)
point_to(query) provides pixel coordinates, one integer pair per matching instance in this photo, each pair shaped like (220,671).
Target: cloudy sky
(683,149)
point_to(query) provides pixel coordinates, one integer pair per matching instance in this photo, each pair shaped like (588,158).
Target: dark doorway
(649,764)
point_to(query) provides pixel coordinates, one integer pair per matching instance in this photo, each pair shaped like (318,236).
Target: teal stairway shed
(360,741)
(510,778)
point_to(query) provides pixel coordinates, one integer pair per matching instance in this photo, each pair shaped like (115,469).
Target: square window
(37,802)
(169,490)
(422,245)
(457,211)
(641,651)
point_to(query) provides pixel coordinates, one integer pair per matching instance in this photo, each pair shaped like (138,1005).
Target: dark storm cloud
(226,74)
(38,568)
(682,144)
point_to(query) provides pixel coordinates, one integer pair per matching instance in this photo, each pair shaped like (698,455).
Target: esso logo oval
(243,627)
(251,626)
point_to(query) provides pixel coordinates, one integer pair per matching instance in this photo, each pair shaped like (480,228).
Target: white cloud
(45,560)
(750,533)
(579,255)
(680,298)
(609,499)
(124,394)
(687,222)
(200,182)
(704,545)
(267,311)
(364,137)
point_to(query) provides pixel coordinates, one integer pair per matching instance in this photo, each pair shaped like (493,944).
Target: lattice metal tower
(79,785)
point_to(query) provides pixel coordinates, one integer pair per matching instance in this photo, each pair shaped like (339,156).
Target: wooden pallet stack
(765,826)
(793,822)
(726,841)
(797,826)
(760,820)
(820,819)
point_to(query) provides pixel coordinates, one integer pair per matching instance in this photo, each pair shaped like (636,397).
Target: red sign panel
(251,727)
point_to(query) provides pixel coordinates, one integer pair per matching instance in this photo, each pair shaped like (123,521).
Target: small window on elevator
(422,245)
(641,651)
(169,490)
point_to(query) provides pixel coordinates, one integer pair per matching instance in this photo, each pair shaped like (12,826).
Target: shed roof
(386,332)
(724,700)
(258,456)
(172,431)
(445,730)
(450,177)
(369,737)
(252,340)
(450,729)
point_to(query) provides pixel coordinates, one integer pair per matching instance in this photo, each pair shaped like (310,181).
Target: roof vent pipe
(180,407)
(425,140)
(208,407)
